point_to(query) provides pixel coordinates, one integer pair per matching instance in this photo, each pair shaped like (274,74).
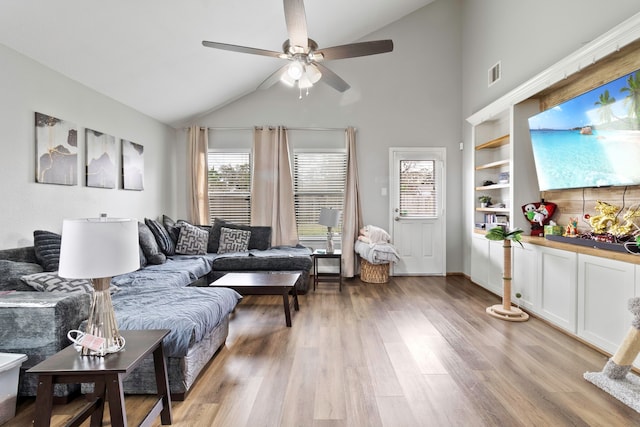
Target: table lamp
(98,249)
(330,218)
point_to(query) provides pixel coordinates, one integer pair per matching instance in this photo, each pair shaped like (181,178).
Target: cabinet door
(479,260)
(525,275)
(557,285)
(605,287)
(496,265)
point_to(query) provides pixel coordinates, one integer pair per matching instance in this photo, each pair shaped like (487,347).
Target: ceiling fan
(305,58)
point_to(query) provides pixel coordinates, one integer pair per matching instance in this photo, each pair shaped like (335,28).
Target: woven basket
(373,273)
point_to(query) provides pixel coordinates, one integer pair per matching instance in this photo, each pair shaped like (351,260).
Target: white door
(417,200)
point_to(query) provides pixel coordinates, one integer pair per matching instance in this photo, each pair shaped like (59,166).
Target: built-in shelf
(495,210)
(492,187)
(492,165)
(494,143)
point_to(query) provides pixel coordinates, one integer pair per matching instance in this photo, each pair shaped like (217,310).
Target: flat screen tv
(592,140)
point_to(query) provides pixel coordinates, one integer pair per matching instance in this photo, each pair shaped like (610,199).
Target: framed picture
(101,159)
(56,151)
(132,166)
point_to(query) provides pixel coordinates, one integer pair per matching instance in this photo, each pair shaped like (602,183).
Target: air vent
(495,73)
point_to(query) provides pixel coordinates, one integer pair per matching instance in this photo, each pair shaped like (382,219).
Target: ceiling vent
(495,73)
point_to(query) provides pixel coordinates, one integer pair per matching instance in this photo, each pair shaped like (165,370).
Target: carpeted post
(615,378)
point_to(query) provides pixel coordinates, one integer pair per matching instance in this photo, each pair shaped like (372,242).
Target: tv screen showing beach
(592,140)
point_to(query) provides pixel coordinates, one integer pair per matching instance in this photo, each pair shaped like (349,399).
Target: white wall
(410,97)
(27,87)
(527,37)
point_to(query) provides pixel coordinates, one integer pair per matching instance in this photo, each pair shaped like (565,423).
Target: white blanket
(378,253)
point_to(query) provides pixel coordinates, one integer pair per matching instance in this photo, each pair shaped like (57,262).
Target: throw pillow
(192,240)
(149,245)
(165,243)
(47,249)
(143,259)
(11,273)
(51,282)
(233,240)
(260,235)
(172,228)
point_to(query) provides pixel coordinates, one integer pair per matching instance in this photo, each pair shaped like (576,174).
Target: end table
(327,277)
(107,373)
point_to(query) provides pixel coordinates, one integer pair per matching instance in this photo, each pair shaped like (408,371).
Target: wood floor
(418,351)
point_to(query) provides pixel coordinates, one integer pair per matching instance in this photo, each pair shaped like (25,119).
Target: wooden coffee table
(264,284)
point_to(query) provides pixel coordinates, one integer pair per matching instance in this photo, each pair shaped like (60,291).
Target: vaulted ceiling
(147,54)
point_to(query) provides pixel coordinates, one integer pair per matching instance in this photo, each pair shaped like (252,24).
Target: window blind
(319,181)
(230,186)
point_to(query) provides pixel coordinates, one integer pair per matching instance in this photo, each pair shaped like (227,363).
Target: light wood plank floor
(418,351)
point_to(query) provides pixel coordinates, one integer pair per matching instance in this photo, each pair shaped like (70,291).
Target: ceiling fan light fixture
(313,73)
(295,70)
(304,82)
(287,79)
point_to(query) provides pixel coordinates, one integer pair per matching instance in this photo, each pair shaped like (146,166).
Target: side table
(107,373)
(327,277)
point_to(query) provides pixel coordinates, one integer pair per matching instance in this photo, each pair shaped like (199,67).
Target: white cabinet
(486,263)
(479,260)
(525,275)
(557,287)
(605,287)
(496,266)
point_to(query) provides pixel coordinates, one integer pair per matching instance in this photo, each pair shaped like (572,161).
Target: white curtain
(272,201)
(198,186)
(352,215)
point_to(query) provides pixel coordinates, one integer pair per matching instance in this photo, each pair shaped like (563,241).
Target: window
(318,181)
(418,189)
(230,185)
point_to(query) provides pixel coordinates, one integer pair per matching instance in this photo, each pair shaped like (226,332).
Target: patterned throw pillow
(233,240)
(51,282)
(192,240)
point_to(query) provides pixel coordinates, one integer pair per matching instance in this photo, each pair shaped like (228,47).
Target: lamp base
(102,320)
(329,240)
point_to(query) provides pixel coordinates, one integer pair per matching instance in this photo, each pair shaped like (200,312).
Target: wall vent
(495,73)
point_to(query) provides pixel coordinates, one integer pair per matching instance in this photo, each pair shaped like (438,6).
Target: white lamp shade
(329,217)
(94,248)
(313,73)
(295,70)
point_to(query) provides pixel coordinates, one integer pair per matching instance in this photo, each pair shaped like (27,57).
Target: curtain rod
(288,128)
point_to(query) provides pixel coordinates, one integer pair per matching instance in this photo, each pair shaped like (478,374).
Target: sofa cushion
(51,282)
(149,245)
(47,248)
(192,240)
(233,240)
(164,240)
(260,235)
(11,273)
(172,228)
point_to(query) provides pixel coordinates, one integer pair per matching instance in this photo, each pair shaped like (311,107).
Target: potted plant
(485,200)
(506,311)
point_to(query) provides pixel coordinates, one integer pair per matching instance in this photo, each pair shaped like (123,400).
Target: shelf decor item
(485,200)
(506,311)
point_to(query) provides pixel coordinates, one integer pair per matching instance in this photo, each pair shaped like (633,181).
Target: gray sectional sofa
(169,291)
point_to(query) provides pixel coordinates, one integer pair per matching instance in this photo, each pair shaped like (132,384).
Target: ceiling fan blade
(243,49)
(332,79)
(273,78)
(356,49)
(296,20)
